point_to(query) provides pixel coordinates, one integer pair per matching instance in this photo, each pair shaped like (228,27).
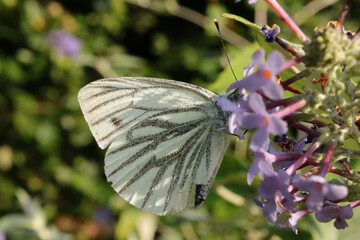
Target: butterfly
(166,139)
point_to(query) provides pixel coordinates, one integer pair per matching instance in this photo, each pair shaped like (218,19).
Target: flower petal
(299,146)
(266,170)
(253,82)
(257,104)
(236,84)
(260,140)
(270,210)
(232,123)
(239,133)
(248,70)
(315,201)
(253,170)
(273,90)
(340,223)
(326,214)
(226,104)
(252,120)
(267,189)
(307,184)
(258,56)
(335,192)
(277,126)
(274,62)
(295,218)
(346,212)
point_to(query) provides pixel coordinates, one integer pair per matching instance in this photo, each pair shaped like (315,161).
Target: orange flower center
(266,121)
(267,73)
(317,184)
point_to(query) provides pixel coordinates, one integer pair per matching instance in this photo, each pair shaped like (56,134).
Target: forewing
(165,144)
(111,106)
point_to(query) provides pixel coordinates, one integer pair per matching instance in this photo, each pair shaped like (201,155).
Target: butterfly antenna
(223,45)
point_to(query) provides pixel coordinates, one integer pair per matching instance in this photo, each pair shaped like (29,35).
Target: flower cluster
(65,43)
(326,118)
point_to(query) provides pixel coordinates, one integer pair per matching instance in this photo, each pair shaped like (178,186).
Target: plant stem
(327,159)
(287,19)
(344,13)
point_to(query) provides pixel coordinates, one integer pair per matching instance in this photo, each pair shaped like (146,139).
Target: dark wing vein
(146,110)
(179,156)
(155,140)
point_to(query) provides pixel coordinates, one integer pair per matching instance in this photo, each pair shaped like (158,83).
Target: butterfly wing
(164,137)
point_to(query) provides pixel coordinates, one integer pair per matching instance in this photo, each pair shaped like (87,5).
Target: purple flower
(248,70)
(237,108)
(264,122)
(256,167)
(103,216)
(299,146)
(298,149)
(236,113)
(277,165)
(64,42)
(274,182)
(272,207)
(318,189)
(295,216)
(270,33)
(264,77)
(327,213)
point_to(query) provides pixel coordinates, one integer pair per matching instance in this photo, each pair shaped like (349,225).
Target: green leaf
(244,58)
(242,20)
(241,60)
(261,40)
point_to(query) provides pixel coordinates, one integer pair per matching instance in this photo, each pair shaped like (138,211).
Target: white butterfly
(165,138)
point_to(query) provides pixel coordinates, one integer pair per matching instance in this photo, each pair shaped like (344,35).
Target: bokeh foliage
(47,149)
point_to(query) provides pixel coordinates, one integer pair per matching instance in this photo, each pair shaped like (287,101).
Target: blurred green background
(52,184)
